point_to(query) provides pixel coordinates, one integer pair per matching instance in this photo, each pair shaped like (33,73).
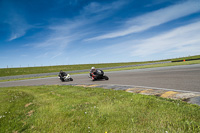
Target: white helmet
(93,68)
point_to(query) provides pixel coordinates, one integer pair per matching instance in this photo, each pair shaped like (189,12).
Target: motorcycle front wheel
(106,78)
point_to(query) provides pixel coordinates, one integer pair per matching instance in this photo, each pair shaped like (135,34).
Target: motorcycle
(66,78)
(98,75)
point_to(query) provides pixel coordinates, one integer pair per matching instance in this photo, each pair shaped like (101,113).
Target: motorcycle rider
(92,70)
(62,74)
(94,73)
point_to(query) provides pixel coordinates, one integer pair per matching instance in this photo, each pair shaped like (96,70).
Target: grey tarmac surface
(176,79)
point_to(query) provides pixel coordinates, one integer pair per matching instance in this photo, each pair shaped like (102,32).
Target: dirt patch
(28,104)
(32,127)
(30,112)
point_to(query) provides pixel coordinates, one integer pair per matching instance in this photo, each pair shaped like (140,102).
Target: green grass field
(76,109)
(157,65)
(49,69)
(186,58)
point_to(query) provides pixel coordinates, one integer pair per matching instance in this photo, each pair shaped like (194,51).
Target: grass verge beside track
(38,77)
(49,69)
(157,65)
(187,58)
(79,109)
(119,69)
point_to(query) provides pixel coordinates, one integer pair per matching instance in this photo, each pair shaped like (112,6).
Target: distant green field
(70,109)
(156,65)
(49,69)
(186,58)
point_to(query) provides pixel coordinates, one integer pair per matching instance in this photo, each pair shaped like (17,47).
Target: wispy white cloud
(182,40)
(95,7)
(155,18)
(44,55)
(12,15)
(18,26)
(55,44)
(157,2)
(55,41)
(66,32)
(58,54)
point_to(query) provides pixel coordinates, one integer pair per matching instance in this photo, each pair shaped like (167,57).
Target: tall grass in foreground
(77,109)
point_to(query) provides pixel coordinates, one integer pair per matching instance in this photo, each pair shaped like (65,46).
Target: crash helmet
(61,71)
(93,69)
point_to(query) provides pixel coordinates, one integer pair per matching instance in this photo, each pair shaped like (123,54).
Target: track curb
(187,96)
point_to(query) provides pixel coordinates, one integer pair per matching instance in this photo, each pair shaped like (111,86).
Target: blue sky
(61,32)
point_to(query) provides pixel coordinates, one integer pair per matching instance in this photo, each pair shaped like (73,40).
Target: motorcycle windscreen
(100,72)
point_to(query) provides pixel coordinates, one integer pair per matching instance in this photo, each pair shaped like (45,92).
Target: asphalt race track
(185,78)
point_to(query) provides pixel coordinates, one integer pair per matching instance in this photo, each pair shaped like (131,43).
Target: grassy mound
(78,109)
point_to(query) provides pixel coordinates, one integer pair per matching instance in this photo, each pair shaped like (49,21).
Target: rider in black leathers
(96,73)
(62,74)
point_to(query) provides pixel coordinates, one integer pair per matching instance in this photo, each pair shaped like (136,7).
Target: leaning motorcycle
(66,78)
(98,75)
